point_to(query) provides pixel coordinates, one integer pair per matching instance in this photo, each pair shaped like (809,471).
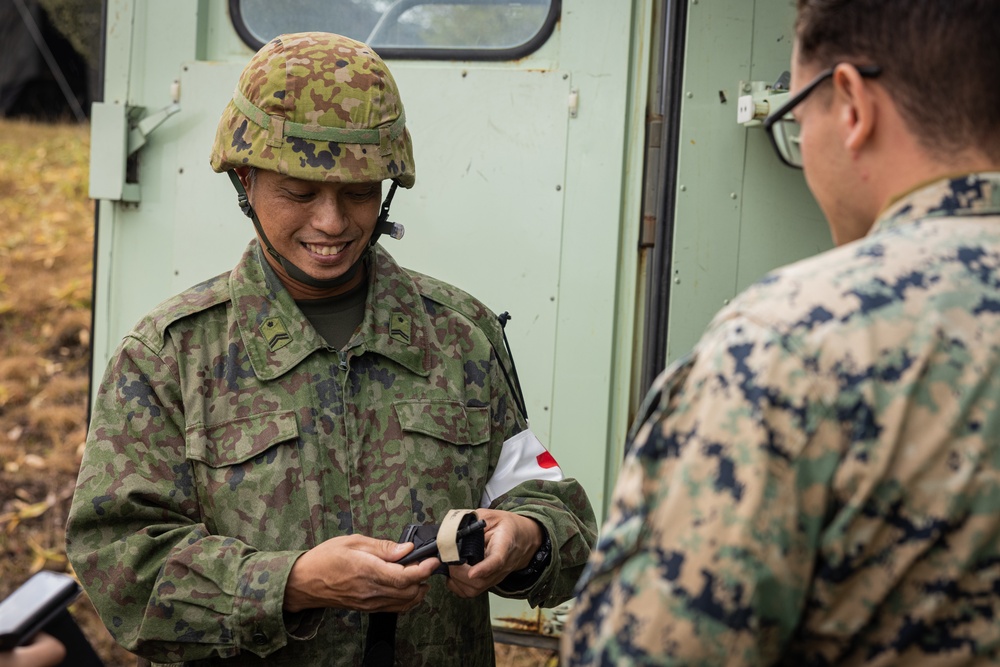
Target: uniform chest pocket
(450,421)
(236,441)
(441,449)
(246,469)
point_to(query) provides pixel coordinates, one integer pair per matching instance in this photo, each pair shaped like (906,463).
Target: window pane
(408,28)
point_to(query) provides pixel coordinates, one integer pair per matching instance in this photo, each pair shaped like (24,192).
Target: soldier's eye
(365,194)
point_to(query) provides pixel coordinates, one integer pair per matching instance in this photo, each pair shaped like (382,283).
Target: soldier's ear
(244,175)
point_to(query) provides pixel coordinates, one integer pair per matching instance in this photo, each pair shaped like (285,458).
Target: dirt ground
(46,259)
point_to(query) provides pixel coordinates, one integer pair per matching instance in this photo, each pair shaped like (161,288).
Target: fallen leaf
(35,461)
(42,556)
(34,510)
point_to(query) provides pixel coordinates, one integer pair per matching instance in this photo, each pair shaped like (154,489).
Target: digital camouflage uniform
(819,483)
(228,438)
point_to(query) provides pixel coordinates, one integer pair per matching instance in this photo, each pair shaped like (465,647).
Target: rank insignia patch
(275,333)
(399,328)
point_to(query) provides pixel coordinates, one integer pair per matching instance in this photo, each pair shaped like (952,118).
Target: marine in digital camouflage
(819,483)
(299,112)
(228,438)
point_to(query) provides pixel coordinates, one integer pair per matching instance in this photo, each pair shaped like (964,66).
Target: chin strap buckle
(241,193)
(244,204)
(395,230)
(382,225)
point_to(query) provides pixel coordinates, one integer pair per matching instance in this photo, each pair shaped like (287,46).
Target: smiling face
(321,227)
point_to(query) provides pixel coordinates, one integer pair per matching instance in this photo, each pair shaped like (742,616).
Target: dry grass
(46,250)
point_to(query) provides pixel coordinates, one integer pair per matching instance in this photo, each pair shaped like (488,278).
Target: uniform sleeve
(560,505)
(708,550)
(165,588)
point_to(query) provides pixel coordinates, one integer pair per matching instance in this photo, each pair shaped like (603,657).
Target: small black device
(28,609)
(41,604)
(469,539)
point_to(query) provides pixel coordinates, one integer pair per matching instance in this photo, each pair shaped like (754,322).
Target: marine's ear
(857,107)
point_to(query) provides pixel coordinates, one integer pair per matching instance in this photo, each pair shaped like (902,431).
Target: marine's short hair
(940,61)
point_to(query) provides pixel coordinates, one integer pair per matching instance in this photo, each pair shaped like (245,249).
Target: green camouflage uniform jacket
(228,438)
(819,483)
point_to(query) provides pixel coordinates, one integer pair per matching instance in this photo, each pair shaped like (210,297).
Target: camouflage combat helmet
(319,107)
(316,106)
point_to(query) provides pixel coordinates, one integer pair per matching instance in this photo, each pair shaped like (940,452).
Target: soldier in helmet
(819,482)
(260,442)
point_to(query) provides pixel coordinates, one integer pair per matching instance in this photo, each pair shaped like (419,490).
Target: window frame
(543,34)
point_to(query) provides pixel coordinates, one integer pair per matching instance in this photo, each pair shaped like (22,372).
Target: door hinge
(121,130)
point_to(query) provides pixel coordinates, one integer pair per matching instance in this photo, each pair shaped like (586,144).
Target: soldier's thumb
(393,551)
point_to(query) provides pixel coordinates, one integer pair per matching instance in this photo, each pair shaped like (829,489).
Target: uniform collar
(278,337)
(964,195)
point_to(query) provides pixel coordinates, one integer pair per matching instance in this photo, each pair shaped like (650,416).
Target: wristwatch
(524,578)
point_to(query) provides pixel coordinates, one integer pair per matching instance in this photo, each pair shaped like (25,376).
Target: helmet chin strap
(382,226)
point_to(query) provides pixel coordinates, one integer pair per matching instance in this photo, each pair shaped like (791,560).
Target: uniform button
(259,638)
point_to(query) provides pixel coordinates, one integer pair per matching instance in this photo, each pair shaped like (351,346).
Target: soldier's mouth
(325,250)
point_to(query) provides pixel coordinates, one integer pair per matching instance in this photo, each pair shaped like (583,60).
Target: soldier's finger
(387,550)
(458,588)
(489,567)
(407,577)
(45,650)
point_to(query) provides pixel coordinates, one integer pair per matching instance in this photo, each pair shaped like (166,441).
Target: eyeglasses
(782,127)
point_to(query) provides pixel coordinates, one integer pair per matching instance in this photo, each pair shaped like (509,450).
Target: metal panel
(707,223)
(107,166)
(740,213)
(598,249)
(487,213)
(146,44)
(209,230)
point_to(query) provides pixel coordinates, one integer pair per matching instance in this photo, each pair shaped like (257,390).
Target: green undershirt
(336,318)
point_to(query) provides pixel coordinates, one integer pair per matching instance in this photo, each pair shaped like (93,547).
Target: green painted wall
(740,212)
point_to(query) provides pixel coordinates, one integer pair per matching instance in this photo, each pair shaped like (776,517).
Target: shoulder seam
(152,328)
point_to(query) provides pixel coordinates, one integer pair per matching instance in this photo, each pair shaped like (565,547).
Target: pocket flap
(240,439)
(451,421)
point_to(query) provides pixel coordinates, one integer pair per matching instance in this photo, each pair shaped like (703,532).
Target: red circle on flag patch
(546,460)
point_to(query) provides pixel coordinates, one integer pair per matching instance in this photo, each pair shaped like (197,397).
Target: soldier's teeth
(325,250)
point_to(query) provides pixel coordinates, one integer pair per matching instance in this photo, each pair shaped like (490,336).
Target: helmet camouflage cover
(319,107)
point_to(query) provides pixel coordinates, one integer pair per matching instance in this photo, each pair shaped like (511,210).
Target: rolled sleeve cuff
(259,607)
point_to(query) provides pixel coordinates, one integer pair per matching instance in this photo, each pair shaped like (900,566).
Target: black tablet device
(37,602)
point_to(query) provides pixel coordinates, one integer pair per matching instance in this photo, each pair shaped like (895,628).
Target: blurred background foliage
(50,69)
(79,21)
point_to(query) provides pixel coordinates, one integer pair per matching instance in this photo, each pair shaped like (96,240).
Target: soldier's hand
(359,573)
(44,651)
(511,541)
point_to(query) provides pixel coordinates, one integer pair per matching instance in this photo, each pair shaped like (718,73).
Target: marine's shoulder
(821,291)
(183,306)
